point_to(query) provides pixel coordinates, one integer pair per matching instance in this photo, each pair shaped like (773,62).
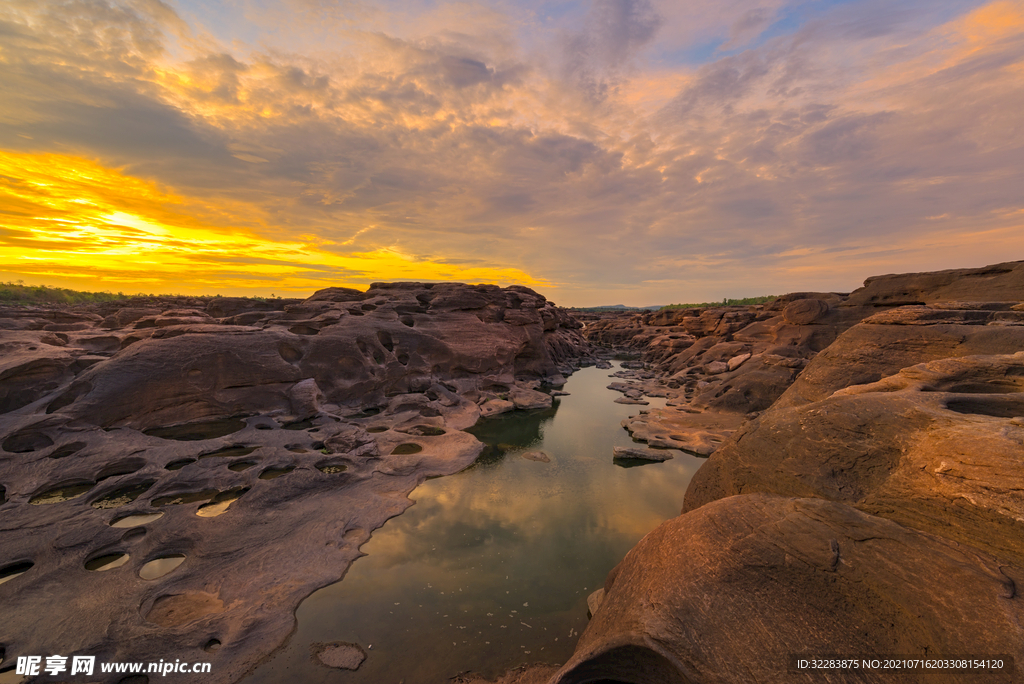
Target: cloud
(785,160)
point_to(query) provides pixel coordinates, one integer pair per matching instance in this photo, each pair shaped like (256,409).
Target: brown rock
(806,576)
(804,311)
(340,655)
(272,452)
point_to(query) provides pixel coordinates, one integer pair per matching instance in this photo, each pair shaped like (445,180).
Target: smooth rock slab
(642,454)
(539,456)
(339,655)
(803,576)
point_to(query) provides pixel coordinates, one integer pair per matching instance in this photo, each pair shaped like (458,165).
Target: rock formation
(875,508)
(261,441)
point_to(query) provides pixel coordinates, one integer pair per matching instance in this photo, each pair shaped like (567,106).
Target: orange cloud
(68,219)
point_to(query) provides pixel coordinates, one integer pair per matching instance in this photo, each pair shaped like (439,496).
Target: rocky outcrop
(875,508)
(729,592)
(262,440)
(740,360)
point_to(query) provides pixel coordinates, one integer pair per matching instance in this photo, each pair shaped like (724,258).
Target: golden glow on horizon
(67,218)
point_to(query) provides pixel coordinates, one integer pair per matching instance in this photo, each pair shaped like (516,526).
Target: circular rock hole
(272,473)
(331,468)
(190,432)
(107,561)
(212,646)
(407,448)
(230,452)
(289,353)
(187,497)
(378,428)
(134,534)
(178,465)
(66,450)
(123,496)
(25,441)
(241,465)
(62,493)
(158,567)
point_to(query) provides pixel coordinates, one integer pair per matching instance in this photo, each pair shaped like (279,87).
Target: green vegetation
(745,301)
(19,293)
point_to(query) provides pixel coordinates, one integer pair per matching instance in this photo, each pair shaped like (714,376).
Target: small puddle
(405,449)
(158,567)
(106,562)
(123,496)
(272,473)
(241,465)
(59,494)
(190,497)
(220,503)
(136,520)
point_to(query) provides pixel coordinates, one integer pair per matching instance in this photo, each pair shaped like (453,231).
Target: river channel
(491,568)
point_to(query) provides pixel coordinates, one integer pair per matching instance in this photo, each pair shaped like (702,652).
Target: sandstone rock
(716,368)
(641,454)
(737,361)
(539,456)
(304,398)
(495,407)
(594,601)
(997,282)
(820,576)
(527,399)
(272,451)
(928,448)
(339,655)
(697,433)
(804,311)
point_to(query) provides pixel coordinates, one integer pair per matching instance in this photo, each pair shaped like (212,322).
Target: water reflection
(491,568)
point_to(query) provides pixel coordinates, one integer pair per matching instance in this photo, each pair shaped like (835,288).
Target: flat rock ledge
(641,454)
(339,655)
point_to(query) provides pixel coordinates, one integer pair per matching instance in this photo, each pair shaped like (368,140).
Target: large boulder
(730,592)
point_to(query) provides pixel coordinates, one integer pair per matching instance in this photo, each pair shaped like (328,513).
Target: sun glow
(68,219)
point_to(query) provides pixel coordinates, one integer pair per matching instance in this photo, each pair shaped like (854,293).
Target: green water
(491,567)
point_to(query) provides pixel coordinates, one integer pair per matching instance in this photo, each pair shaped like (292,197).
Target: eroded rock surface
(273,437)
(803,576)
(740,359)
(875,508)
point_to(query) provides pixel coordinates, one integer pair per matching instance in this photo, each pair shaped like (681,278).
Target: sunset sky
(600,151)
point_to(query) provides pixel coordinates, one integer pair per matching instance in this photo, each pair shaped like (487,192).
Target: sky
(634,152)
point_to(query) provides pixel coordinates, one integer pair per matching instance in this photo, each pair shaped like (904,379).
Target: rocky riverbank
(872,506)
(177,475)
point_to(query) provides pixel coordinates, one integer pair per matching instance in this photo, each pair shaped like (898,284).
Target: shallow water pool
(491,568)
